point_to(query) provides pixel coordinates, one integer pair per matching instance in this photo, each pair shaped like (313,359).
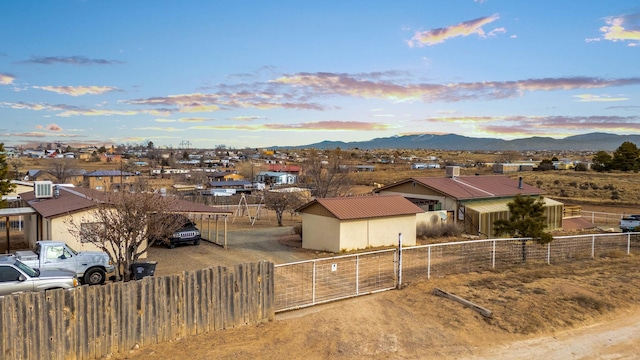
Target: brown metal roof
(477,187)
(361,207)
(76,199)
(65,203)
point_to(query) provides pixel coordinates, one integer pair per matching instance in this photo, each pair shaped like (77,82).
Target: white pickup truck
(91,267)
(630,223)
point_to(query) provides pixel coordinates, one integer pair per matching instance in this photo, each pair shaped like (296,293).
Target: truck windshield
(73,251)
(27,269)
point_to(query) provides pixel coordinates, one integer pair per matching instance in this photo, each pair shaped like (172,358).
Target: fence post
(493,255)
(399,261)
(549,254)
(357,275)
(313,284)
(629,244)
(593,246)
(429,263)
(593,220)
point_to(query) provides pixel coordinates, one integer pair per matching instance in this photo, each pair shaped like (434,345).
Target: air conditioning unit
(43,189)
(453,171)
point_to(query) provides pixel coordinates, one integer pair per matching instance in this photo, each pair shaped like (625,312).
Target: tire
(94,276)
(196,242)
(171,245)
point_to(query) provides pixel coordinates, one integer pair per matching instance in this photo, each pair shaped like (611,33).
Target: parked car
(187,234)
(17,277)
(91,267)
(629,223)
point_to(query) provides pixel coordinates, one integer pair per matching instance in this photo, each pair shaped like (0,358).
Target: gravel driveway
(276,244)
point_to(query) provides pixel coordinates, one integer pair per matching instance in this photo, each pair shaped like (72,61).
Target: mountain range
(586,142)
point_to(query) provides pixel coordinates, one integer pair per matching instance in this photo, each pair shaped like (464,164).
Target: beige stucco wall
(447,203)
(58,229)
(377,232)
(320,233)
(329,234)
(432,218)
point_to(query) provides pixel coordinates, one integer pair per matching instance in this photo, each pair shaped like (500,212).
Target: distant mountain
(591,141)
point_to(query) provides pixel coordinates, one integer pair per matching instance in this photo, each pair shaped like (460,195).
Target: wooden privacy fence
(94,321)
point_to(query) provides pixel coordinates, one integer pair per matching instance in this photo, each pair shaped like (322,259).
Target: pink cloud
(439,35)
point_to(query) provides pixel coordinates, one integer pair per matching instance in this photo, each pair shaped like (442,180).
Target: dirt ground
(580,310)
(577,311)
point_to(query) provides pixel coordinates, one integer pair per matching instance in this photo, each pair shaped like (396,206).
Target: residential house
(108,180)
(474,201)
(276,178)
(351,223)
(290,169)
(53,211)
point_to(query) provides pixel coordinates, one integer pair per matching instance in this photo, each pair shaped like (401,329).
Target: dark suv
(187,234)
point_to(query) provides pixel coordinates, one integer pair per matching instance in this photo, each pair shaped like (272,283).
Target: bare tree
(282,200)
(328,175)
(125,224)
(63,169)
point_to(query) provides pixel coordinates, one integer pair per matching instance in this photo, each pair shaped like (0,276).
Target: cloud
(69,110)
(598,98)
(247,118)
(78,90)
(439,35)
(53,127)
(157,128)
(318,125)
(41,134)
(71,60)
(195,119)
(622,28)
(245,98)
(165,120)
(6,79)
(349,85)
(522,125)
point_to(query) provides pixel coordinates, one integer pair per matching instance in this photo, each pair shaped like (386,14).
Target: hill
(585,142)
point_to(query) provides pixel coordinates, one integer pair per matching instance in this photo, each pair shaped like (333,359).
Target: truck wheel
(94,276)
(196,242)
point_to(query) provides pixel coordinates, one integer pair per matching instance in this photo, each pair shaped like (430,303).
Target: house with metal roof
(474,201)
(108,180)
(276,178)
(56,206)
(361,222)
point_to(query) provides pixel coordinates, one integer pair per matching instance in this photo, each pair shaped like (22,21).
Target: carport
(9,212)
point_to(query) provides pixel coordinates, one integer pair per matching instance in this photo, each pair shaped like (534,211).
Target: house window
(99,178)
(99,188)
(92,230)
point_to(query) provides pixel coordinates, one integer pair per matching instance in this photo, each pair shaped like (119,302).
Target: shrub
(573,183)
(297,230)
(424,230)
(615,195)
(594,186)
(584,186)
(580,167)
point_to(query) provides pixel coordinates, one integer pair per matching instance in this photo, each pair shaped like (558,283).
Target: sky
(201,74)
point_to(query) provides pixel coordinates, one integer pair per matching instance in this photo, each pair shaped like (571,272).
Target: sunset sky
(200,74)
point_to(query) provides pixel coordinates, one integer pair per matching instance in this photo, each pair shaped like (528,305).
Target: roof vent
(43,189)
(453,171)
